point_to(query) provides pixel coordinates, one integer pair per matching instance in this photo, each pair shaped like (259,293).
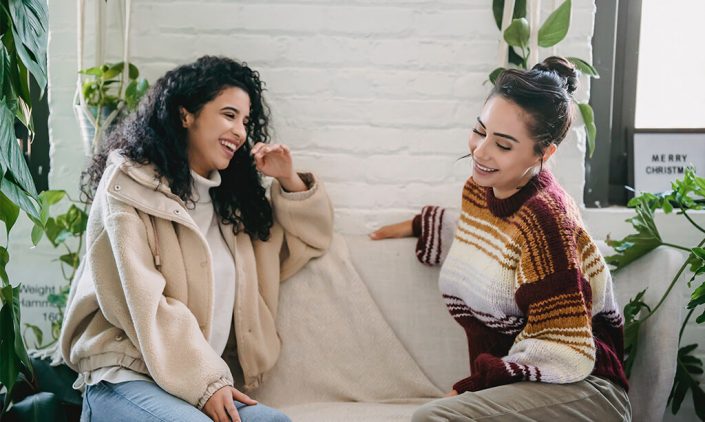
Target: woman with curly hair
(175,302)
(520,273)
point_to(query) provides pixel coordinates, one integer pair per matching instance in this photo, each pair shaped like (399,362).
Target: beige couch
(366,336)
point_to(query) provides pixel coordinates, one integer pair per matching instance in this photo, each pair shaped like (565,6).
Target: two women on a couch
(176,300)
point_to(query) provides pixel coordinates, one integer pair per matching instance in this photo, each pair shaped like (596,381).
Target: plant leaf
(687,369)
(13,355)
(584,67)
(495,74)
(93,71)
(19,197)
(11,156)
(590,128)
(697,297)
(9,363)
(38,334)
(135,91)
(516,59)
(4,259)
(51,197)
(113,71)
(556,26)
(517,34)
(646,238)
(133,72)
(71,259)
(631,329)
(4,63)
(37,233)
(498,11)
(57,299)
(30,33)
(9,212)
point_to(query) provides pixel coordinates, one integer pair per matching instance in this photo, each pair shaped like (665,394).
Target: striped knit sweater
(528,285)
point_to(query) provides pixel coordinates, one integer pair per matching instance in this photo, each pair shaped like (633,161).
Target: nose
(239,130)
(477,146)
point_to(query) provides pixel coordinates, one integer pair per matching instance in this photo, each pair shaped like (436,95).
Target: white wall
(376,97)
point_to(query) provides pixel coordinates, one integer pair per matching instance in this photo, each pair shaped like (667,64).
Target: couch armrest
(655,366)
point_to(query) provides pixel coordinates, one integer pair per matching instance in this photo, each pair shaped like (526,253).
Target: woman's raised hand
(403,229)
(275,161)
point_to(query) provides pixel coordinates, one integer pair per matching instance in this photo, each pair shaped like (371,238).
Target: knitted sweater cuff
(466,384)
(416,225)
(430,223)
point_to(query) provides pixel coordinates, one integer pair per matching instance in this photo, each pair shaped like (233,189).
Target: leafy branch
(686,194)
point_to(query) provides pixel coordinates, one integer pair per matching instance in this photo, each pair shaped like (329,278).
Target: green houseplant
(553,30)
(686,195)
(64,231)
(106,93)
(23,41)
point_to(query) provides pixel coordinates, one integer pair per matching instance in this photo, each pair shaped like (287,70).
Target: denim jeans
(145,401)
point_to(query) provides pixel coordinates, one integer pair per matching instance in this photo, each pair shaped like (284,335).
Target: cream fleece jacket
(142,296)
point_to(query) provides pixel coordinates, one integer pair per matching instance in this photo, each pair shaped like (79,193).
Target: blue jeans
(145,401)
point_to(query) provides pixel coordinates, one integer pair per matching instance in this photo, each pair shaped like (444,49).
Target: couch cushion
(336,346)
(353,412)
(406,292)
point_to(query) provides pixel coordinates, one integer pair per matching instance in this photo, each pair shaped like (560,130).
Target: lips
(485,169)
(232,146)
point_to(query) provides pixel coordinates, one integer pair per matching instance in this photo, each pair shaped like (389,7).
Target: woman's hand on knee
(403,229)
(452,393)
(221,407)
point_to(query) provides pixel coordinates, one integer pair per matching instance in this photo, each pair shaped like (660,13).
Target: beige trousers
(593,399)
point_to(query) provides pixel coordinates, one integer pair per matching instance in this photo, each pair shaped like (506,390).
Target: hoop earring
(540,169)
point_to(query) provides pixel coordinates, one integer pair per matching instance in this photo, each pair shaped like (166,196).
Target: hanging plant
(552,31)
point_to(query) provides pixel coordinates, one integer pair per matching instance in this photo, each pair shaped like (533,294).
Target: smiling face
(502,148)
(217,130)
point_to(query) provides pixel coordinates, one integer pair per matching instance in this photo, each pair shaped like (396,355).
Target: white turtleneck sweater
(224,273)
(224,276)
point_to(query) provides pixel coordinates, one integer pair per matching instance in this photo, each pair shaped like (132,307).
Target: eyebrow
(502,135)
(230,108)
(233,109)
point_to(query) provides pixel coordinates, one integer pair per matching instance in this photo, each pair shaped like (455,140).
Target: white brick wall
(375,97)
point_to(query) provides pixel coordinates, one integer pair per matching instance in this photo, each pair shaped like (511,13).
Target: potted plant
(686,195)
(106,93)
(23,43)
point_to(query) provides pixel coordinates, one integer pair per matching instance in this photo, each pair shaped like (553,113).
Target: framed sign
(662,155)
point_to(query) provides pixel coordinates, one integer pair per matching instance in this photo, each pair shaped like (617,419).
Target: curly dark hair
(154,134)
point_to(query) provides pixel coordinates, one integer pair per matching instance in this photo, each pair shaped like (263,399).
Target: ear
(186,117)
(550,150)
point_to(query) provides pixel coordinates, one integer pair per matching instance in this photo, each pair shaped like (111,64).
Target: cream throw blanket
(337,347)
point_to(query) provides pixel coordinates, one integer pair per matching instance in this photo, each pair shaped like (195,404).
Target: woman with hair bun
(520,273)
(172,311)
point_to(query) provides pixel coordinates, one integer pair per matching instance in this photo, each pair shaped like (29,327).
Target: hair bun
(565,69)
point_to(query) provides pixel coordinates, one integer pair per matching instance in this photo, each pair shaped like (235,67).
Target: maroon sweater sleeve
(434,227)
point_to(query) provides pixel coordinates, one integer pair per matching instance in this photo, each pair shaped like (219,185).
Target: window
(650,68)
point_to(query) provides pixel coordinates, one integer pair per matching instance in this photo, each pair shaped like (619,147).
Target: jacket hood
(144,174)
